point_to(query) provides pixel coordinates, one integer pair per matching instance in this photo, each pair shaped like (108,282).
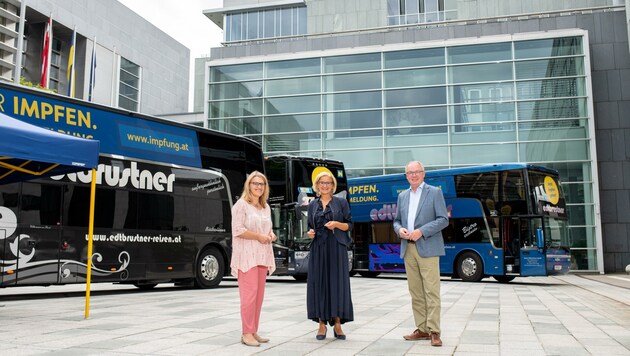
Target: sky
(185,22)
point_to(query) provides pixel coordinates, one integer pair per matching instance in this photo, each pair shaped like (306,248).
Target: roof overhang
(216,15)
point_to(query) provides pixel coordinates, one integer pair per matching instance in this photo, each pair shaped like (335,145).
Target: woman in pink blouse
(252,252)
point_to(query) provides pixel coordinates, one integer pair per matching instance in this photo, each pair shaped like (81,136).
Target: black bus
(163,199)
(291,189)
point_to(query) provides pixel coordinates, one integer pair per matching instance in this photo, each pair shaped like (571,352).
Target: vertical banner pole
(88,275)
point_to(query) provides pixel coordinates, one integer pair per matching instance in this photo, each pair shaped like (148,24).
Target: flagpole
(92,72)
(71,58)
(50,46)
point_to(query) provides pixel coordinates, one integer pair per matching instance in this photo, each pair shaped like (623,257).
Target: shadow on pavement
(15,293)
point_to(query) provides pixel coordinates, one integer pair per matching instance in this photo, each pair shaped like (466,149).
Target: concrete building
(375,83)
(9,21)
(138,67)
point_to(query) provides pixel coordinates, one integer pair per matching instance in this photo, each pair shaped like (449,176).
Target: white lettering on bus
(553,209)
(387,212)
(114,177)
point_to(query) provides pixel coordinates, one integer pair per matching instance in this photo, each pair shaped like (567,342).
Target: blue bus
(505,221)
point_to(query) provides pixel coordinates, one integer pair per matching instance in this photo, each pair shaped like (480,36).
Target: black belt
(411,241)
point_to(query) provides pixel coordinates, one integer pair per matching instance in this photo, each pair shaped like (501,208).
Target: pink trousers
(251,288)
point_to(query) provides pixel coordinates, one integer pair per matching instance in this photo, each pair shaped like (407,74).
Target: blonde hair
(247,191)
(322,175)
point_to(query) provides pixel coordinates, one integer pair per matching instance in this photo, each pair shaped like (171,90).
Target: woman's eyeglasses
(257,184)
(325,183)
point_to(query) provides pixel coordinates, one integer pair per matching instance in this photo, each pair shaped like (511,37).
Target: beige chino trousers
(423,279)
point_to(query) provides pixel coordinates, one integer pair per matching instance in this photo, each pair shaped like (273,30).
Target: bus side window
(470,230)
(383,233)
(513,200)
(41,204)
(449,232)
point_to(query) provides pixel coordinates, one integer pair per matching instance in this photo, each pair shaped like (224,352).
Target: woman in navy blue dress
(328,298)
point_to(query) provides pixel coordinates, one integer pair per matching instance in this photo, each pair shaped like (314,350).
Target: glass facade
(515,101)
(407,12)
(265,23)
(129,85)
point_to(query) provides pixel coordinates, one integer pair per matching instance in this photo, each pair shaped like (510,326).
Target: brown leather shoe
(417,335)
(435,339)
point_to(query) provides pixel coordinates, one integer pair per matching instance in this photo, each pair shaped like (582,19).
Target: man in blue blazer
(420,217)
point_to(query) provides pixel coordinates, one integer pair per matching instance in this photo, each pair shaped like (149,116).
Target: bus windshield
(291,190)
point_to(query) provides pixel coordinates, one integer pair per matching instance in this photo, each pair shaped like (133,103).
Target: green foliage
(26,83)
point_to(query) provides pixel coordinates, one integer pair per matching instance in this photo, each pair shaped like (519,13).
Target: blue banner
(127,135)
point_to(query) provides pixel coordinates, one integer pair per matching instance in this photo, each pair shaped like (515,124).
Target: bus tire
(470,267)
(369,274)
(503,279)
(210,268)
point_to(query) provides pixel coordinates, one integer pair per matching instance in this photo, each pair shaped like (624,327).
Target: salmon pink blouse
(250,253)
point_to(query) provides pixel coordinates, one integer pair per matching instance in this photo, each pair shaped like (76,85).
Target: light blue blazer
(431,218)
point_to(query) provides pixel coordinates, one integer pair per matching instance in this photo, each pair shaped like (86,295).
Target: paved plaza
(568,315)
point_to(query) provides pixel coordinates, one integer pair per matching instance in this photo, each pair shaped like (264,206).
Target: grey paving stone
(568,315)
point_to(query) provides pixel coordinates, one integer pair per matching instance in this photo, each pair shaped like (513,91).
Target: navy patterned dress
(328,286)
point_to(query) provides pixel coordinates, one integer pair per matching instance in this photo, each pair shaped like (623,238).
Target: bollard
(628,269)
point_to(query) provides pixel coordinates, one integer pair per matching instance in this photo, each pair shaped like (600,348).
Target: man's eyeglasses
(257,184)
(414,173)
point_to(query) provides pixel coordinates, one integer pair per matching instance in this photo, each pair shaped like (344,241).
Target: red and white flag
(46,53)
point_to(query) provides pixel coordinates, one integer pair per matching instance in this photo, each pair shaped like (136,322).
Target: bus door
(361,233)
(281,217)
(301,244)
(384,253)
(38,236)
(523,241)
(9,194)
(8,227)
(510,233)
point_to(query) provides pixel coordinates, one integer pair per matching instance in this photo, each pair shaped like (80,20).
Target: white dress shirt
(414,203)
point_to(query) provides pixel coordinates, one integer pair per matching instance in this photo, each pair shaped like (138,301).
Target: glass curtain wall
(266,23)
(517,101)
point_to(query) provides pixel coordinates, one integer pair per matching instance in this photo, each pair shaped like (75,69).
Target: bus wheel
(503,279)
(210,268)
(470,267)
(369,274)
